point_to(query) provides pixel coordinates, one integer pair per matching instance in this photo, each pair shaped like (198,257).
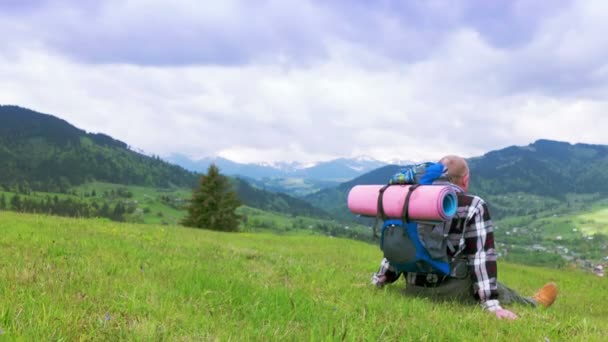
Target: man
(475,280)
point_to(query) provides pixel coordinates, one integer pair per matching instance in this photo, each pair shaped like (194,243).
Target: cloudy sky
(308,80)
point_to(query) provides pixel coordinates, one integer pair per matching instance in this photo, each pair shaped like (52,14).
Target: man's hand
(504,313)
(379,281)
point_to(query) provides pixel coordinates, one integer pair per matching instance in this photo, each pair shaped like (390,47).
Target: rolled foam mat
(432,203)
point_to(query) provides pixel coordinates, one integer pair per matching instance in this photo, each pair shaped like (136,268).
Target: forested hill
(333,200)
(271,201)
(42,152)
(544,168)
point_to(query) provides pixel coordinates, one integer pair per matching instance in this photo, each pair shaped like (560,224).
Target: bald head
(458,170)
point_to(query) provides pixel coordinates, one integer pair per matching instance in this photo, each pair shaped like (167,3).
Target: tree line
(53,205)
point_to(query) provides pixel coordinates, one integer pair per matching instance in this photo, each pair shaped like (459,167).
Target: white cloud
(464,96)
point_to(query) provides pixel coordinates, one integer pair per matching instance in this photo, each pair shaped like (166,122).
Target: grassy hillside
(280,202)
(76,279)
(156,205)
(165,206)
(260,221)
(575,231)
(594,222)
(293,186)
(144,204)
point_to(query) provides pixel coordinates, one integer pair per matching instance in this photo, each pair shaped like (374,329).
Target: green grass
(146,197)
(594,222)
(261,221)
(77,279)
(150,209)
(581,226)
(294,186)
(157,211)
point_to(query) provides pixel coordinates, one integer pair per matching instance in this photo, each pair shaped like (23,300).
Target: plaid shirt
(471,233)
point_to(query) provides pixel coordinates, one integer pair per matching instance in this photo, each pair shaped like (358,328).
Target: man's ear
(465,182)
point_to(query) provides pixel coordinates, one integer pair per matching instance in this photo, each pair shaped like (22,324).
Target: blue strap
(422,253)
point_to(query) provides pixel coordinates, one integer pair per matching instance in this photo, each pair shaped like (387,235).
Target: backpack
(415,246)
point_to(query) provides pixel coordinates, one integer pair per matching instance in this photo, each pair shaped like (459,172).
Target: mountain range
(42,152)
(337,170)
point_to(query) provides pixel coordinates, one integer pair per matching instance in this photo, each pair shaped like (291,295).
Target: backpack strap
(406,203)
(451,246)
(380,215)
(446,232)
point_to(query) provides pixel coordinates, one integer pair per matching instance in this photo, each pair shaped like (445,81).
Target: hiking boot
(546,295)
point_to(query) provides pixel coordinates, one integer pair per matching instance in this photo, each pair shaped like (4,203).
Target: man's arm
(385,275)
(479,239)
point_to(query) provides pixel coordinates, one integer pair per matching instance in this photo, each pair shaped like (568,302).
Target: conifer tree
(119,212)
(16,203)
(213,203)
(105,210)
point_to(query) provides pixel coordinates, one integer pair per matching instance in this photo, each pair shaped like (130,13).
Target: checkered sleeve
(479,240)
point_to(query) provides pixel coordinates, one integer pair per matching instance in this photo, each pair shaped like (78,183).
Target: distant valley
(292,178)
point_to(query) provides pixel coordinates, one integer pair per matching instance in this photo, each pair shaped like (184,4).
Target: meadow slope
(86,279)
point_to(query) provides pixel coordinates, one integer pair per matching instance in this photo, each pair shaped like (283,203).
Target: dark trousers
(461,290)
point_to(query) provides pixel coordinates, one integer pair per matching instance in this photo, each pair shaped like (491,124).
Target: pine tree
(105,210)
(213,203)
(16,203)
(119,212)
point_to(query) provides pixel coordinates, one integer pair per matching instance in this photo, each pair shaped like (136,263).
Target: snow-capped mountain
(341,169)
(226,166)
(283,166)
(402,162)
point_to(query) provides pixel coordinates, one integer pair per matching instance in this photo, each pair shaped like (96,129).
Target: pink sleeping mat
(428,203)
